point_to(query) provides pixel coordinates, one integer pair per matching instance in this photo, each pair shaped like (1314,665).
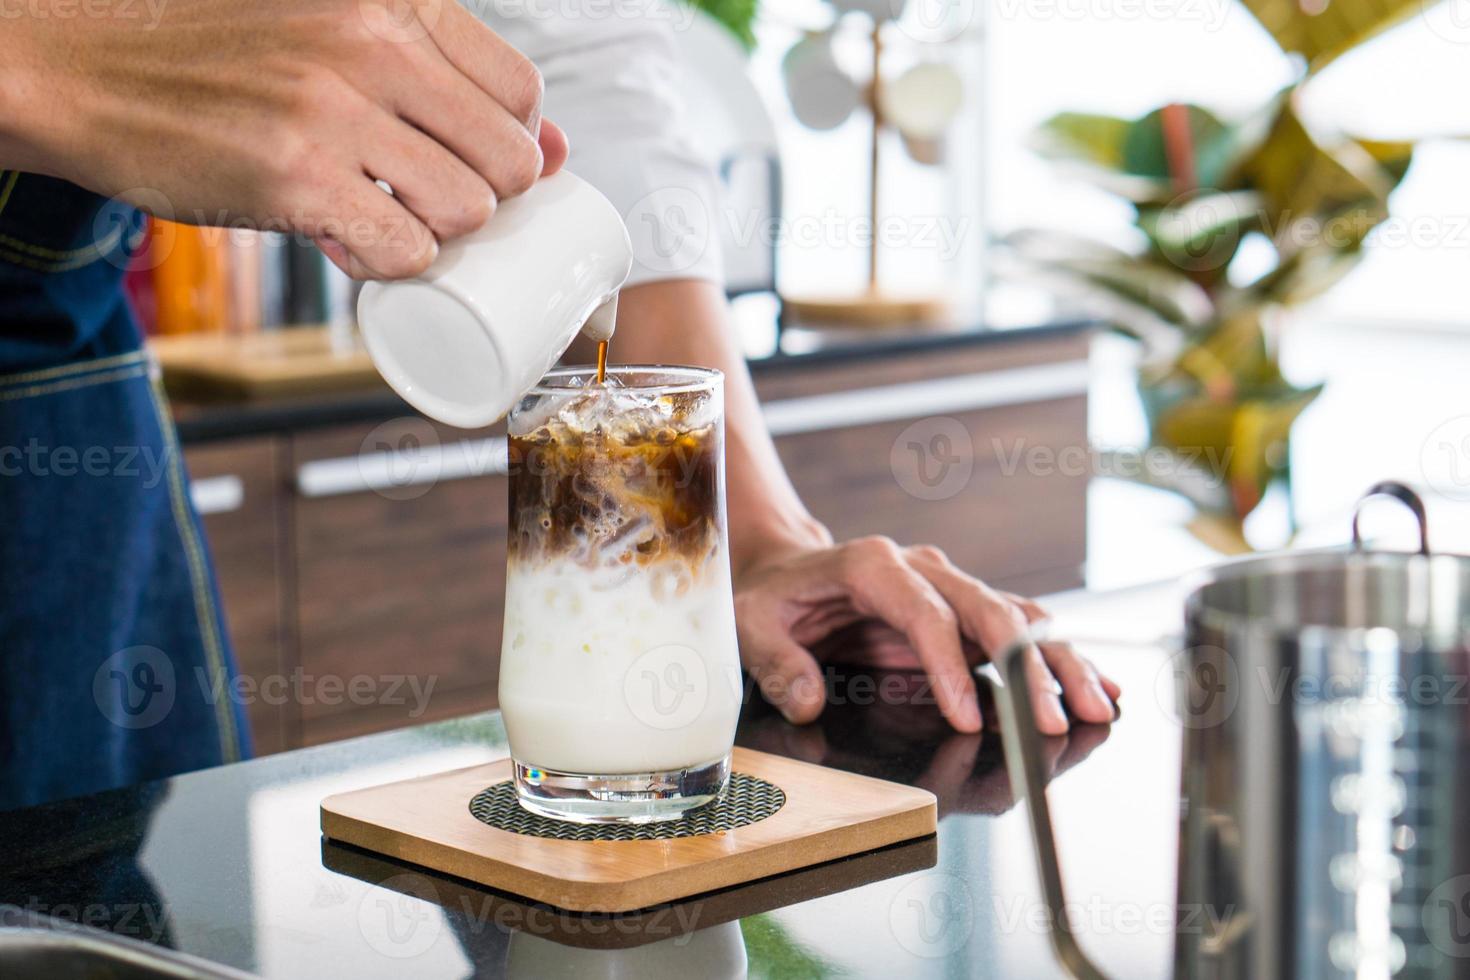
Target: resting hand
(788,603)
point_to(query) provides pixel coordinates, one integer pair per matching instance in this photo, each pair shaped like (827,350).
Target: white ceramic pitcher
(463,341)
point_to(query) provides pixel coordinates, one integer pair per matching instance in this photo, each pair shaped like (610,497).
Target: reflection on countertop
(228,864)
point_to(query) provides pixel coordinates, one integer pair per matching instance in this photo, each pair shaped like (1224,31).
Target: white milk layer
(619,670)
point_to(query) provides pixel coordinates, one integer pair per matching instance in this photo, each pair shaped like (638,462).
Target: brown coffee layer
(616,494)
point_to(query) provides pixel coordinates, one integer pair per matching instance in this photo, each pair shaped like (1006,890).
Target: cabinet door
(236,489)
(966,482)
(400,574)
(981,450)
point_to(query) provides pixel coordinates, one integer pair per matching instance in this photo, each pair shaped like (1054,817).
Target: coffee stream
(601,361)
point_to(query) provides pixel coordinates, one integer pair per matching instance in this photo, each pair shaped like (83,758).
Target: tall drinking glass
(619,675)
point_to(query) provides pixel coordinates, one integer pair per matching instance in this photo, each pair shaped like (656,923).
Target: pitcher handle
(1404,495)
(1028,777)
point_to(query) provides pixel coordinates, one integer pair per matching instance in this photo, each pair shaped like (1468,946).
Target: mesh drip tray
(747,800)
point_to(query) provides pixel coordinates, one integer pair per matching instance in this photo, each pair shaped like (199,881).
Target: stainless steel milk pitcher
(1325,825)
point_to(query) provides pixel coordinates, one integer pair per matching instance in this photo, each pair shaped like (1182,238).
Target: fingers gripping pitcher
(619,673)
(465,339)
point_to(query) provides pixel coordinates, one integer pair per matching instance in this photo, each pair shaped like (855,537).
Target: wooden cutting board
(273,364)
(828,814)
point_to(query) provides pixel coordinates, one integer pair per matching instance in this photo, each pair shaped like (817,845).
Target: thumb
(554,147)
(790,679)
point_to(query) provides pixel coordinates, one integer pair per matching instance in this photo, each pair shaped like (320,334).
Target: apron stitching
(30,263)
(9,186)
(26,262)
(124,374)
(78,368)
(85,251)
(204,609)
(41,252)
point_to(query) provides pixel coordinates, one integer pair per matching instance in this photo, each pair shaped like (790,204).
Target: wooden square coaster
(828,814)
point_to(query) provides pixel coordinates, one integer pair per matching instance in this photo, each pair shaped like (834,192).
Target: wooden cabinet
(957,448)
(364,563)
(400,575)
(1016,529)
(236,487)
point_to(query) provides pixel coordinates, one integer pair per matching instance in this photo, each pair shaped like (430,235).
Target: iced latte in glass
(619,675)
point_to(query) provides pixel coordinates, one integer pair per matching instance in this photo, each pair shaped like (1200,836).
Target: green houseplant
(738,16)
(1200,187)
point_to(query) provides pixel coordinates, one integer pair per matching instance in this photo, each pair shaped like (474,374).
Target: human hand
(787,604)
(282,114)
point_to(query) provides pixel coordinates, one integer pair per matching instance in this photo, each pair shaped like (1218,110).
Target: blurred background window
(1120,57)
(1127,57)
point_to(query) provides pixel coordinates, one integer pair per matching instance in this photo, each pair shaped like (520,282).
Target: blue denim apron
(114,662)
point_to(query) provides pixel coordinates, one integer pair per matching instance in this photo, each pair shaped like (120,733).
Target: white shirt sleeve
(613,81)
